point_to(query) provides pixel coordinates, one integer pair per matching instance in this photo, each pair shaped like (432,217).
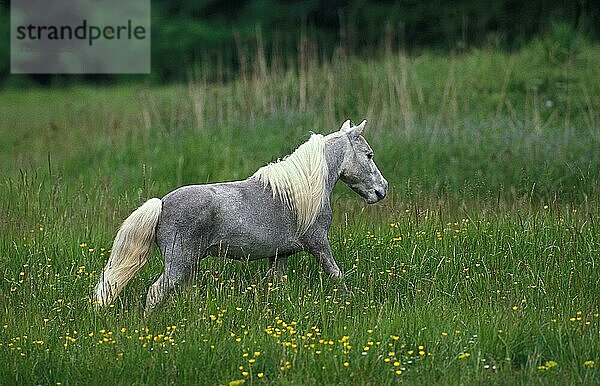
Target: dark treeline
(220,38)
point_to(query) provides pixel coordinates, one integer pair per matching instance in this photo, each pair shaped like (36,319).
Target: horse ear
(358,130)
(345,126)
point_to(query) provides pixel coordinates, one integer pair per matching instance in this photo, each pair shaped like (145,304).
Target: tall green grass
(489,120)
(480,267)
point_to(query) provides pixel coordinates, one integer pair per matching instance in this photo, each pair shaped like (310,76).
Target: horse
(282,209)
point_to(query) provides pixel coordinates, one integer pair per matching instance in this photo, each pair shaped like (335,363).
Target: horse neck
(334,156)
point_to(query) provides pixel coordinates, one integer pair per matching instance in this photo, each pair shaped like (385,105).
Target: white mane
(299,180)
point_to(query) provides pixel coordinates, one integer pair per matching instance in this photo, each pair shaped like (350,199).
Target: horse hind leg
(179,265)
(157,292)
(166,283)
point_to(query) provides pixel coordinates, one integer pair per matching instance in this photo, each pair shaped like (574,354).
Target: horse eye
(370,155)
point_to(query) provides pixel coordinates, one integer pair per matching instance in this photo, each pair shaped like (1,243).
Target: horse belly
(244,252)
(253,244)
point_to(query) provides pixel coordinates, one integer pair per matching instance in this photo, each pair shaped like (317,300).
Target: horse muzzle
(380,191)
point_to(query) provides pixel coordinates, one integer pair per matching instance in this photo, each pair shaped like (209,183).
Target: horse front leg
(321,250)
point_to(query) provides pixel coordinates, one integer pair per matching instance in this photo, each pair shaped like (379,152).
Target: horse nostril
(380,193)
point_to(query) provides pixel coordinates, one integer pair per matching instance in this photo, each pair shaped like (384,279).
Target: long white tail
(130,251)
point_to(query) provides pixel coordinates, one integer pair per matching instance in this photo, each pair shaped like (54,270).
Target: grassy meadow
(482,266)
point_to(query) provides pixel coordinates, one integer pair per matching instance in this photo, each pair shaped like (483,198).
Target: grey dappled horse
(282,209)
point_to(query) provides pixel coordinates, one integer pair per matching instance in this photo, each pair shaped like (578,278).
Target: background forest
(219,36)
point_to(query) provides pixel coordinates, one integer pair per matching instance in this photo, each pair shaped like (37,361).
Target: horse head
(358,168)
